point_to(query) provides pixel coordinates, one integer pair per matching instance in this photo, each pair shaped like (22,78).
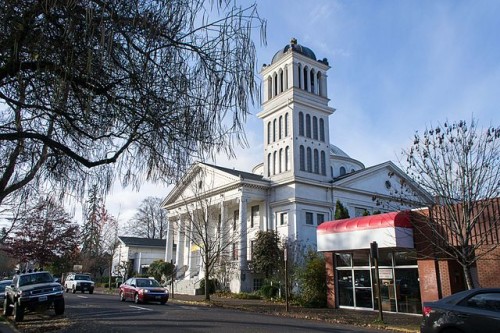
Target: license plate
(42,298)
(157,297)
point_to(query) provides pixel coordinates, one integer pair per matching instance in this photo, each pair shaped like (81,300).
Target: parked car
(476,310)
(35,291)
(79,282)
(3,284)
(143,290)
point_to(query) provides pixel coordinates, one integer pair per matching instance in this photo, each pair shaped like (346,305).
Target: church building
(293,191)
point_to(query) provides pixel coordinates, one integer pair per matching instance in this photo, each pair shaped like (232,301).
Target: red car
(143,290)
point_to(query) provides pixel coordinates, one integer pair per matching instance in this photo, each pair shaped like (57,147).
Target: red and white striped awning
(388,230)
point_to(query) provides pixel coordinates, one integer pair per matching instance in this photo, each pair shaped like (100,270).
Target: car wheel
(18,312)
(7,309)
(163,302)
(136,299)
(91,291)
(67,289)
(59,307)
(122,296)
(73,290)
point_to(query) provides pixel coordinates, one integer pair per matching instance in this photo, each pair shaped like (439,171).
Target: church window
(301,124)
(287,158)
(309,159)
(309,218)
(269,164)
(331,171)
(275,79)
(319,83)
(320,218)
(269,133)
(302,159)
(312,81)
(274,130)
(342,171)
(286,78)
(281,80)
(283,218)
(316,161)
(306,86)
(281,161)
(300,75)
(322,129)
(269,88)
(280,127)
(274,162)
(254,221)
(308,125)
(323,163)
(236,217)
(234,251)
(286,124)
(315,128)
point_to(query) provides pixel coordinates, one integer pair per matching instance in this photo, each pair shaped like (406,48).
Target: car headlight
(145,291)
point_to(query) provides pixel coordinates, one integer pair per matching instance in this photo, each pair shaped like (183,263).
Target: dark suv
(34,291)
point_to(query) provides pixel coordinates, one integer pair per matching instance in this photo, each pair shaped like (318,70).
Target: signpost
(286,278)
(374,255)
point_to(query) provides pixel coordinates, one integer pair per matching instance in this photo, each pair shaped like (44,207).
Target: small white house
(136,253)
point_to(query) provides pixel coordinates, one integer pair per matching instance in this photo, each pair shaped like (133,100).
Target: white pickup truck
(79,282)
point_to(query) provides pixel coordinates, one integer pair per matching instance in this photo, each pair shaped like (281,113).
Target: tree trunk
(468,277)
(207,280)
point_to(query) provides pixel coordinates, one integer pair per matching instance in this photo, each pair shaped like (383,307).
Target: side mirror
(132,285)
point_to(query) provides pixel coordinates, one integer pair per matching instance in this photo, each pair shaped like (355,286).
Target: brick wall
(330,279)
(488,269)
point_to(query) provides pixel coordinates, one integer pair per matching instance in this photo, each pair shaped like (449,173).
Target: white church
(293,191)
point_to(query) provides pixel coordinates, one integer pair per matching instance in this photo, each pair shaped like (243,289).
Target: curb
(7,327)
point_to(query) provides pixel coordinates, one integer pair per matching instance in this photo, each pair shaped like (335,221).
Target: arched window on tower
(286,78)
(308,125)
(274,162)
(275,84)
(286,124)
(287,158)
(301,124)
(318,77)
(281,166)
(269,88)
(281,81)
(274,130)
(306,85)
(269,165)
(321,129)
(302,159)
(280,128)
(315,128)
(323,163)
(300,75)
(269,131)
(316,161)
(342,171)
(309,159)
(313,78)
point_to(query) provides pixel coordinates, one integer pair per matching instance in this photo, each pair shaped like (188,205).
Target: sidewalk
(392,321)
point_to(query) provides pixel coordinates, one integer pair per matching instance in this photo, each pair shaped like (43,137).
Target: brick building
(415,251)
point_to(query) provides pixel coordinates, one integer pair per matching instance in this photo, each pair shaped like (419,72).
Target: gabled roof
(238,173)
(142,242)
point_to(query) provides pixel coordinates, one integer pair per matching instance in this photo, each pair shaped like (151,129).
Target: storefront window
(408,290)
(363,288)
(343,260)
(361,258)
(405,258)
(385,257)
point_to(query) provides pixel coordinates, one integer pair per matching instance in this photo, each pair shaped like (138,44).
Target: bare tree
(94,91)
(45,232)
(459,164)
(205,228)
(150,221)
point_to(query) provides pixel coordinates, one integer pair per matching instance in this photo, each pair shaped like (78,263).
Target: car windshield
(35,278)
(147,283)
(82,277)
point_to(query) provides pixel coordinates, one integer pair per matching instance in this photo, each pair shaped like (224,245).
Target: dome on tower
(295,48)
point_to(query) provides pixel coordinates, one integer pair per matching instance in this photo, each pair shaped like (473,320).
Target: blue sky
(397,67)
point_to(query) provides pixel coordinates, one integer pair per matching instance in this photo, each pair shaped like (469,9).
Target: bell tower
(295,113)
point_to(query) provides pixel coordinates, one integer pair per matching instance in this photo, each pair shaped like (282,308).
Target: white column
(179,258)
(222,229)
(169,242)
(190,245)
(323,91)
(295,75)
(243,233)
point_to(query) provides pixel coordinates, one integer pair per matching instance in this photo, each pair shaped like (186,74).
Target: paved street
(105,313)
